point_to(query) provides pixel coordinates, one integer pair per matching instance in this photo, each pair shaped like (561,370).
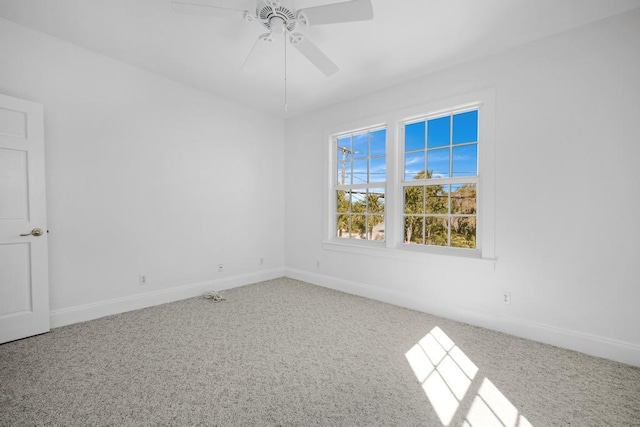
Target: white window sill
(443,257)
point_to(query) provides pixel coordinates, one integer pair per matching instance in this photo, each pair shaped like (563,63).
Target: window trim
(394,246)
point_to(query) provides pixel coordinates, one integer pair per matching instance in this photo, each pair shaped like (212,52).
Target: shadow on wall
(446,374)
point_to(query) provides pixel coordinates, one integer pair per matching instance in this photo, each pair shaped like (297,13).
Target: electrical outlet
(220,268)
(506,297)
(143,280)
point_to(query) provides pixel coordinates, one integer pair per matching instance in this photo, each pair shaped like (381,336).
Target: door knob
(35,232)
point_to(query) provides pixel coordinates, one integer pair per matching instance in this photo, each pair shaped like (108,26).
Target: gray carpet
(284,352)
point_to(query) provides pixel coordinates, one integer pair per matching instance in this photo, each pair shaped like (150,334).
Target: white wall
(567,226)
(145,176)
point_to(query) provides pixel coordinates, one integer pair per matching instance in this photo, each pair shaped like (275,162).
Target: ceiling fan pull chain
(285,71)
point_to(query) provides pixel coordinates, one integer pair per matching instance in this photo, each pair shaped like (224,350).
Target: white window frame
(443,181)
(394,246)
(356,186)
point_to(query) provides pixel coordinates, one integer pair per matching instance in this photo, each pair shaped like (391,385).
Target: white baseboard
(593,345)
(82,313)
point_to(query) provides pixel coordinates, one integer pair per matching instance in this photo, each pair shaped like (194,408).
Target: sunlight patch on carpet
(446,374)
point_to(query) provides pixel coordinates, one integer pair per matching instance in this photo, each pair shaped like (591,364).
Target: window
(422,183)
(360,180)
(440,180)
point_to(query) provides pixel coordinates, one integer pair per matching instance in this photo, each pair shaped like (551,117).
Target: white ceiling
(406,39)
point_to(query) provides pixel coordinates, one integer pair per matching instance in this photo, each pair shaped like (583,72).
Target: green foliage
(463,232)
(423,202)
(429,212)
(414,229)
(342,204)
(463,199)
(437,199)
(413,206)
(436,231)
(359,213)
(463,229)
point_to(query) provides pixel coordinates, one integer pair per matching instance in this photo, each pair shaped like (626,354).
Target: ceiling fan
(280,17)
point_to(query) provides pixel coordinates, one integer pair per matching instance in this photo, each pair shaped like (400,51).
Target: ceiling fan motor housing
(276,17)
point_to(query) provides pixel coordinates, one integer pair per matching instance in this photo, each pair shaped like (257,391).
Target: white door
(24,282)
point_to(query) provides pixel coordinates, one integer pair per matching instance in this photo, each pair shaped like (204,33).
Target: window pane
(342,223)
(414,136)
(436,231)
(360,171)
(414,200)
(344,173)
(378,141)
(438,163)
(465,160)
(437,199)
(414,165)
(342,201)
(463,232)
(376,227)
(359,227)
(465,127)
(414,229)
(344,148)
(358,201)
(463,199)
(438,132)
(377,169)
(360,143)
(375,201)
(361,159)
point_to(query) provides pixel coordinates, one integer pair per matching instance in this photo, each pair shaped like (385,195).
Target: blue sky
(429,145)
(365,150)
(436,135)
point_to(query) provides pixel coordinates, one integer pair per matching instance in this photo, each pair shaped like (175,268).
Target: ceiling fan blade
(262,41)
(354,10)
(313,54)
(220,8)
